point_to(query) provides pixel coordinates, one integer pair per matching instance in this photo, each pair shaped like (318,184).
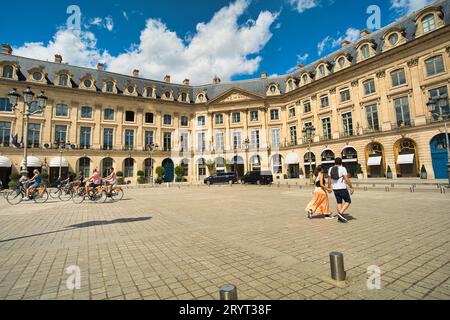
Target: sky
(193,39)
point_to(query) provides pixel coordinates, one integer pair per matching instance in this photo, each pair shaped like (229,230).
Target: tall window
(108,138)
(236,117)
(167,119)
(435,93)
(149,117)
(5,105)
(60,134)
(149,92)
(402,111)
(85,137)
(129,139)
(85,166)
(348,123)
(434,66)
(276,138)
(108,114)
(324,101)
(34,135)
(307,107)
(322,71)
(326,126)
(254,115)
(129,168)
(219,119)
(62,110)
(8,72)
(184,97)
(345,95)
(86,112)
(254,139)
(149,138)
(369,87)
(293,135)
(372,117)
(292,112)
(220,144)
(365,51)
(201,121)
(63,80)
(398,77)
(201,142)
(274,114)
(5,133)
(237,141)
(428,23)
(184,141)
(167,141)
(129,116)
(184,121)
(109,86)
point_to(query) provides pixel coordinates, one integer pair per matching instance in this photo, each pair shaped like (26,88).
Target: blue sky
(193,39)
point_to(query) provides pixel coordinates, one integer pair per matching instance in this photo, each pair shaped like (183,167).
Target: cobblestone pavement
(184,243)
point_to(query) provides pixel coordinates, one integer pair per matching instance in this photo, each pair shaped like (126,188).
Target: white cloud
(109,23)
(219,46)
(125,15)
(408,6)
(97,21)
(303,5)
(78,48)
(351,35)
(302,58)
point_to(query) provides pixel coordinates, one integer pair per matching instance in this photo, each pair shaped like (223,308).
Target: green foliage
(159,171)
(119,174)
(120,180)
(228,165)
(15,176)
(179,170)
(140,173)
(13,184)
(140,180)
(359,169)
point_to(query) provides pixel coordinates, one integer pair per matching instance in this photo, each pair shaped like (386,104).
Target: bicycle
(116,193)
(63,192)
(80,194)
(38,195)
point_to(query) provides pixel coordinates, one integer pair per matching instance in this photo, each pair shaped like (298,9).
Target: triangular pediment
(236,95)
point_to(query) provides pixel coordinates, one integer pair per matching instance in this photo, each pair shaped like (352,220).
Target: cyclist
(94,179)
(110,180)
(35,183)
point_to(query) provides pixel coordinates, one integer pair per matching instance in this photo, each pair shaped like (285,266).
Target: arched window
(63,80)
(322,71)
(184,97)
(8,72)
(107,164)
(291,85)
(365,51)
(393,39)
(428,23)
(85,167)
(109,86)
(201,97)
(305,78)
(341,62)
(149,92)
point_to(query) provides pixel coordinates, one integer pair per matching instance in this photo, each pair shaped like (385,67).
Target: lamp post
(152,147)
(308,133)
(247,146)
(41,102)
(439,107)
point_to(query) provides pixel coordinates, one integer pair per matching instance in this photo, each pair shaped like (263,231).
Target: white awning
(374,161)
(307,163)
(5,162)
(405,158)
(32,162)
(56,161)
(292,158)
(349,160)
(328,162)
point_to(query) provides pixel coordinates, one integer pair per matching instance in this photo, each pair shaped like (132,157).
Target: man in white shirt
(339,181)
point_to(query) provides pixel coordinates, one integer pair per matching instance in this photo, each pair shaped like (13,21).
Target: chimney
(216,80)
(6,49)
(100,67)
(345,43)
(58,58)
(263,75)
(136,73)
(186,82)
(300,66)
(364,32)
(167,79)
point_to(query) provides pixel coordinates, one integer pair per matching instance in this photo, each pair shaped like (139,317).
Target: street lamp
(247,146)
(308,133)
(41,102)
(152,147)
(439,107)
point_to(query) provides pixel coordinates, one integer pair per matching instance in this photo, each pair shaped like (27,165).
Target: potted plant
(389,172)
(45,181)
(120,180)
(141,177)
(179,170)
(228,165)
(423,173)
(359,172)
(211,165)
(159,173)
(14,180)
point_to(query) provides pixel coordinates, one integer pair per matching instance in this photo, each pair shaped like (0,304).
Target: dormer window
(183,97)
(150,92)
(428,23)
(322,71)
(365,52)
(201,98)
(305,79)
(167,94)
(130,89)
(273,89)
(63,80)
(87,83)
(290,85)
(341,62)
(37,76)
(393,39)
(110,86)
(8,71)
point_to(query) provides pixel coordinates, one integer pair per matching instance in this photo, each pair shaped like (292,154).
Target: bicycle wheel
(117,195)
(14,197)
(54,193)
(78,196)
(41,197)
(99,197)
(65,195)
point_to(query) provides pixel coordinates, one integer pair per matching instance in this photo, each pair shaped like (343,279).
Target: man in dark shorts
(339,181)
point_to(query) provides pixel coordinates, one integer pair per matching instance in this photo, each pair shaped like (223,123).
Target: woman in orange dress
(319,203)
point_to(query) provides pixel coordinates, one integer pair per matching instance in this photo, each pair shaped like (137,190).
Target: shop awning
(374,161)
(292,158)
(405,159)
(32,162)
(307,163)
(57,161)
(5,162)
(328,162)
(349,160)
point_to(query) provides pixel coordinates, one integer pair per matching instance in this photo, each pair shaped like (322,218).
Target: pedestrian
(341,185)
(319,203)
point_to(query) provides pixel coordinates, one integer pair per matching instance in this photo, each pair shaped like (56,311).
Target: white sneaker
(26,199)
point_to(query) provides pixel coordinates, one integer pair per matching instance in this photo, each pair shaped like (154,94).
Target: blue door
(439,156)
(168,170)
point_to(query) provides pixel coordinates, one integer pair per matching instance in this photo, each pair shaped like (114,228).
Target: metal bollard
(337,266)
(228,292)
(365,189)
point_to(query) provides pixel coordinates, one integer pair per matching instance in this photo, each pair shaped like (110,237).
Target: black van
(258,177)
(222,177)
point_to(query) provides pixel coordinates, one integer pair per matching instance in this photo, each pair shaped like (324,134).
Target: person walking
(319,203)
(341,185)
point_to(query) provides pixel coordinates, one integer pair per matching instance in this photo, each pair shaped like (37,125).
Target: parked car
(222,177)
(258,177)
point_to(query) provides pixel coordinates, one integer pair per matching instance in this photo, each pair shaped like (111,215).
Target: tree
(160,173)
(211,165)
(179,171)
(120,180)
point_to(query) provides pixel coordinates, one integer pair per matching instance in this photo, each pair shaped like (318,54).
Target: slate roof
(257,86)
